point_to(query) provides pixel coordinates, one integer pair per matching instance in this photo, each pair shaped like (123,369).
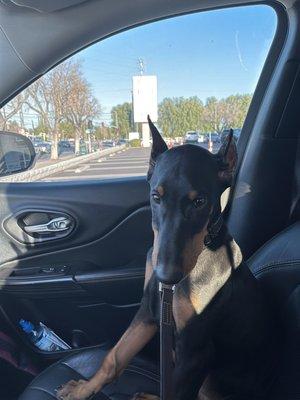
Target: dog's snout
(168,276)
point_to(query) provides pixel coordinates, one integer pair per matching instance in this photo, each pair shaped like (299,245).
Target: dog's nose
(169,277)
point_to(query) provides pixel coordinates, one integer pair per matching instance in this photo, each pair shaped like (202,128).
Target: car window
(195,75)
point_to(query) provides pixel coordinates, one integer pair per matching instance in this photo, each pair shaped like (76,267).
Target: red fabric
(10,352)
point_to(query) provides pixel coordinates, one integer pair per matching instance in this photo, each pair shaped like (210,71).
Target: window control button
(48,270)
(54,270)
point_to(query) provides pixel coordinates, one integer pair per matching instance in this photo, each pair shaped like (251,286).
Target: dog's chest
(211,272)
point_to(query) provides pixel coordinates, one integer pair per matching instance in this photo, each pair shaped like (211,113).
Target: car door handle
(58,224)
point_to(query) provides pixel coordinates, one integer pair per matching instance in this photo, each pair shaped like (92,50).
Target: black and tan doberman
(224,332)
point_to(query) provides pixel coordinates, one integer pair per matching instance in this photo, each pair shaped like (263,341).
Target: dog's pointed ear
(158,147)
(227,160)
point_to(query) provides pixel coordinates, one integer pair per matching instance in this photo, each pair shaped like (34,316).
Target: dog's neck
(211,272)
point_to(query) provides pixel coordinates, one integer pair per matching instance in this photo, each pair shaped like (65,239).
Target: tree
(178,115)
(11,109)
(226,113)
(167,117)
(40,129)
(235,110)
(63,99)
(121,116)
(104,132)
(46,97)
(214,115)
(80,106)
(66,130)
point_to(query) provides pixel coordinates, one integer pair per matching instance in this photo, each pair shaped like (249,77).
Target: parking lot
(124,163)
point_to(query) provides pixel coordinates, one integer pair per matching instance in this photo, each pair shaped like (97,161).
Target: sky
(214,53)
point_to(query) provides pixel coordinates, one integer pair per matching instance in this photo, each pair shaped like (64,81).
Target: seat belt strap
(166,341)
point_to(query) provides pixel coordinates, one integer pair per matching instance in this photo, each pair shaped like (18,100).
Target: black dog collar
(213,229)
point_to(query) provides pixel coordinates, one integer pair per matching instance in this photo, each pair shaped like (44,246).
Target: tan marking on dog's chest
(198,288)
(192,249)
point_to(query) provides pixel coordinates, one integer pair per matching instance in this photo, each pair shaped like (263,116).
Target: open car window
(194,74)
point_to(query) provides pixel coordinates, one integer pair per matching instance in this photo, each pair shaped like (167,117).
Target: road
(126,163)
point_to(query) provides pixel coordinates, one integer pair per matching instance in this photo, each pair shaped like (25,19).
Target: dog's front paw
(75,390)
(144,396)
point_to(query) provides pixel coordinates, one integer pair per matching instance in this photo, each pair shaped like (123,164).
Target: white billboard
(144,97)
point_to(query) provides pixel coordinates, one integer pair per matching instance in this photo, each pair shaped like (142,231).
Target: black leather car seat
(276,265)
(139,376)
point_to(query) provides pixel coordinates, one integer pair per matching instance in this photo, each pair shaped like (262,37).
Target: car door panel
(89,281)
(96,206)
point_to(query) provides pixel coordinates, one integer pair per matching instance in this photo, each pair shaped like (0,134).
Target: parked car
(202,138)
(215,137)
(64,144)
(36,140)
(108,143)
(43,147)
(121,142)
(191,137)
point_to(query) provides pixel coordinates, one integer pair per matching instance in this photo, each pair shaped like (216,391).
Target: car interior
(86,284)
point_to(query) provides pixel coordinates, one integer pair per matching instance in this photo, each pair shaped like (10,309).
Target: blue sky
(215,53)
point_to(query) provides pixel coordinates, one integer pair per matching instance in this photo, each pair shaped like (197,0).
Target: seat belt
(166,341)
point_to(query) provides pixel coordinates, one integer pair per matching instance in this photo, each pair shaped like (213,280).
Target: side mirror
(17,153)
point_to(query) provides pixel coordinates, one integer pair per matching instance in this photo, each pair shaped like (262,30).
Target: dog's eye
(199,202)
(156,197)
